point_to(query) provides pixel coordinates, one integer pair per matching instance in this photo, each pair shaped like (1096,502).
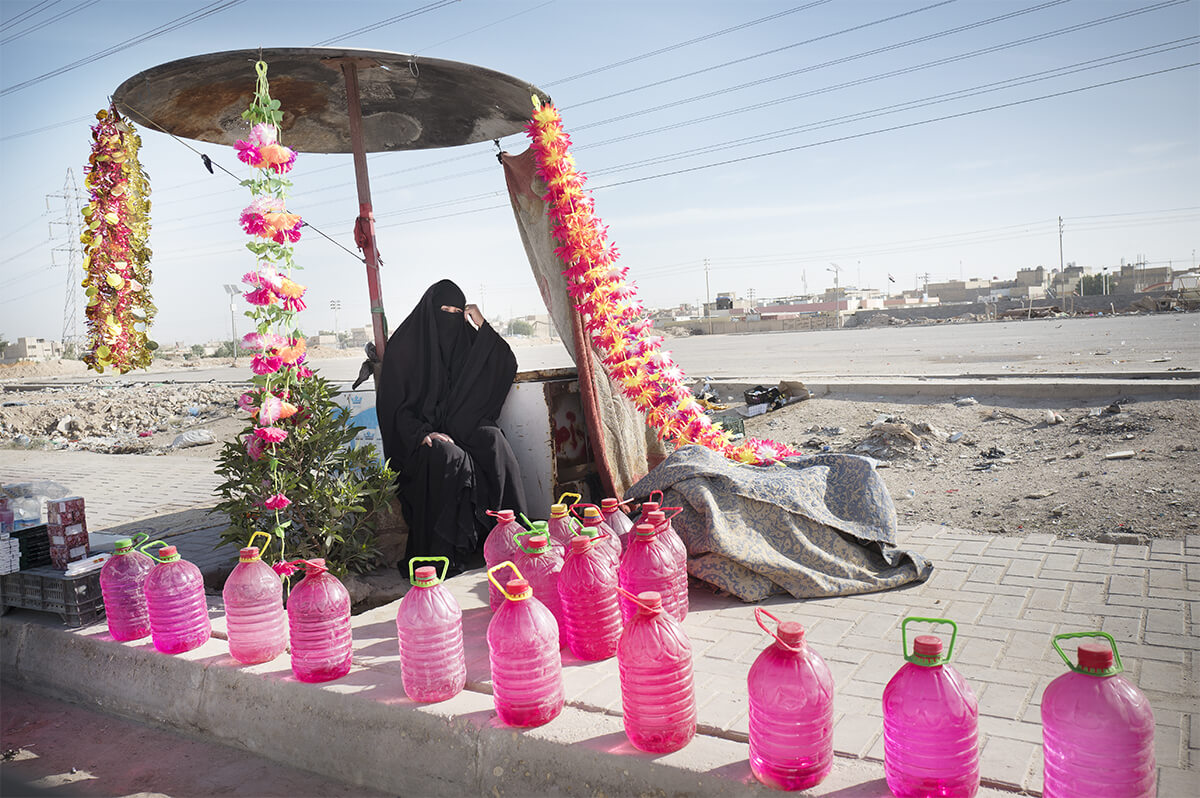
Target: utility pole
(925,277)
(72,212)
(707,297)
(233,292)
(335,305)
(1060,248)
(837,304)
(804,281)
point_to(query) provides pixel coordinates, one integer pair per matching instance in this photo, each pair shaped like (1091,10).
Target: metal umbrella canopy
(335,100)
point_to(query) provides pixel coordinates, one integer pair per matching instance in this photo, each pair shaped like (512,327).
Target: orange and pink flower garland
(612,313)
(116,249)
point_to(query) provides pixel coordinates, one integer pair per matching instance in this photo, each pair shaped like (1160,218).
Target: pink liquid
(499,547)
(540,564)
(1098,737)
(658,697)
(606,538)
(616,519)
(523,646)
(648,564)
(791,714)
(176,605)
(561,528)
(658,519)
(123,583)
(254,615)
(319,624)
(433,664)
(587,588)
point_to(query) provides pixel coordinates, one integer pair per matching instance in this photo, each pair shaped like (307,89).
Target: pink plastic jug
(930,722)
(618,522)
(654,659)
(123,586)
(540,563)
(527,685)
(319,625)
(661,520)
(649,564)
(791,710)
(605,552)
(433,663)
(561,525)
(587,588)
(1097,728)
(499,546)
(175,602)
(254,616)
(649,507)
(589,516)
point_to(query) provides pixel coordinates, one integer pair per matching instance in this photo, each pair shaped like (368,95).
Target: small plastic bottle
(930,723)
(587,588)
(523,649)
(123,585)
(592,517)
(617,521)
(561,525)
(175,602)
(499,546)
(1097,728)
(791,710)
(433,663)
(658,697)
(255,619)
(649,564)
(319,625)
(541,563)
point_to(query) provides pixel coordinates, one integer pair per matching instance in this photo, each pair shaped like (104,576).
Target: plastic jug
(319,624)
(175,602)
(791,710)
(1097,728)
(649,564)
(617,521)
(527,685)
(930,722)
(433,663)
(561,525)
(661,520)
(600,538)
(500,546)
(540,563)
(255,619)
(658,697)
(587,588)
(123,586)
(649,507)
(589,516)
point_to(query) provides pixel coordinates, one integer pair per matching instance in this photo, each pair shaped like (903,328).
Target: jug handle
(142,548)
(528,523)
(758,613)
(1116,666)
(445,561)
(574,517)
(661,496)
(500,587)
(521,543)
(677,510)
(578,497)
(263,550)
(633,597)
(137,543)
(913,657)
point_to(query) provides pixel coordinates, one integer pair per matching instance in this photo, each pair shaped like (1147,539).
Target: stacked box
(35,546)
(7,518)
(66,527)
(10,555)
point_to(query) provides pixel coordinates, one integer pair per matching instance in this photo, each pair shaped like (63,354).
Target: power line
(529,10)
(385,22)
(51,21)
(32,10)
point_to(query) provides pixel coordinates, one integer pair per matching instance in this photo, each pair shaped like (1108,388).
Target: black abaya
(440,374)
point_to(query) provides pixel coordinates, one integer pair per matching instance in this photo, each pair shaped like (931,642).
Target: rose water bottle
(662,522)
(649,507)
(319,624)
(541,563)
(1097,728)
(175,602)
(499,546)
(592,517)
(523,649)
(616,519)
(433,663)
(123,585)
(255,619)
(649,564)
(658,697)
(930,723)
(561,525)
(791,710)
(587,588)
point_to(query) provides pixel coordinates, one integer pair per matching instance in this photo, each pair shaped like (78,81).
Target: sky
(764,142)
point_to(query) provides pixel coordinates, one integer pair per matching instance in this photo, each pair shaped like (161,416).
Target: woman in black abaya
(446,374)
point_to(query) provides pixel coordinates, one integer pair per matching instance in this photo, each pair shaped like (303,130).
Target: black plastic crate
(35,546)
(76,599)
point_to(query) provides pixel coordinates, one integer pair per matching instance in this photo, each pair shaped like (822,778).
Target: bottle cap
(558,510)
(649,507)
(122,546)
(518,589)
(644,530)
(315,566)
(649,602)
(425,576)
(505,516)
(581,543)
(248,554)
(656,517)
(791,634)
(536,544)
(1095,655)
(588,532)
(609,504)
(927,647)
(168,553)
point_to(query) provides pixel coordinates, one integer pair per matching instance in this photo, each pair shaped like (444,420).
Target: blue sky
(828,159)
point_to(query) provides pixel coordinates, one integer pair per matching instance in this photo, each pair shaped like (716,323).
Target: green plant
(337,493)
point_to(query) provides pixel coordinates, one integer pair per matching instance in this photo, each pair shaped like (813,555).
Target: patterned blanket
(816,525)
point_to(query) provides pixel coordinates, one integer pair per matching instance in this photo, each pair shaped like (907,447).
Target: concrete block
(1008,762)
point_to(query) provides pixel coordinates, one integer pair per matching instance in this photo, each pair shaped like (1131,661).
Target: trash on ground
(193,437)
(966,401)
(1126,454)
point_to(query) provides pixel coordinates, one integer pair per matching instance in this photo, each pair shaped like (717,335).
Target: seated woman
(446,374)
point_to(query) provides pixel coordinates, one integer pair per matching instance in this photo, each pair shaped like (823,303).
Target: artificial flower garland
(274,297)
(116,249)
(612,314)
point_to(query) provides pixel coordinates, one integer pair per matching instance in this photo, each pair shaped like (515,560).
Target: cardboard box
(65,511)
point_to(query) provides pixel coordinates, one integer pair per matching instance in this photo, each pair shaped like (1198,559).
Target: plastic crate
(35,546)
(76,599)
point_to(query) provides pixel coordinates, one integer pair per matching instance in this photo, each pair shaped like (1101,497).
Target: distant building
(1036,276)
(33,349)
(959,290)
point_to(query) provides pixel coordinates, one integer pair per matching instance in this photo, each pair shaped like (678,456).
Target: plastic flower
(293,352)
(255,447)
(266,277)
(283,568)
(292,293)
(268,412)
(265,364)
(246,402)
(261,297)
(276,501)
(271,434)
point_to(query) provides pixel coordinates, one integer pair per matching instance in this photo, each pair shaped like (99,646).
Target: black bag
(761,395)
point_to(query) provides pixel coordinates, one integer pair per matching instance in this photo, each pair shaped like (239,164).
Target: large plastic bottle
(499,546)
(590,516)
(561,525)
(661,520)
(123,585)
(319,625)
(175,602)
(540,563)
(255,619)
(606,552)
(658,697)
(1097,728)
(433,663)
(649,564)
(523,649)
(791,710)
(617,521)
(587,588)
(930,722)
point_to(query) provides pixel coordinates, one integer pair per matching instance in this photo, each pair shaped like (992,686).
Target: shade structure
(334,100)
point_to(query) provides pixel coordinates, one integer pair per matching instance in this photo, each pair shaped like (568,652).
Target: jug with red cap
(255,620)
(654,661)
(611,509)
(319,624)
(433,662)
(499,546)
(587,589)
(175,602)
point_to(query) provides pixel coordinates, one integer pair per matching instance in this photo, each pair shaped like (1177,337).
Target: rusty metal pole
(364,225)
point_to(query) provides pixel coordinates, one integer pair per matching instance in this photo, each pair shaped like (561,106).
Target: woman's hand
(472,313)
(436,436)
